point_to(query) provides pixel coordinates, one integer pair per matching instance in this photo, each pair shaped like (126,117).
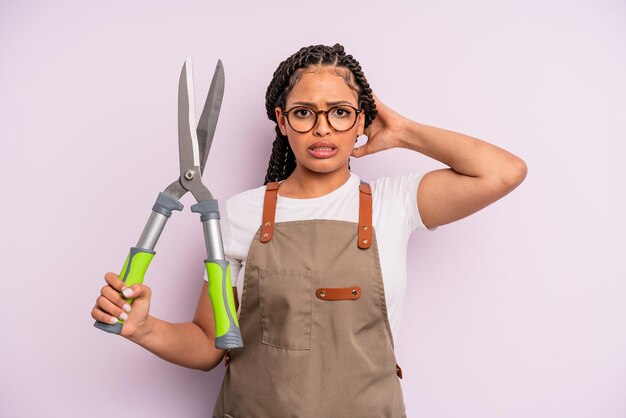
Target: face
(318,88)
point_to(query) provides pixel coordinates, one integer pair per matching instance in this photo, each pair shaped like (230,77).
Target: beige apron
(317,340)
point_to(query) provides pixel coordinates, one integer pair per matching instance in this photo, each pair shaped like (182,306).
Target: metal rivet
(364,241)
(322,294)
(189,174)
(267,224)
(365,227)
(354,292)
(266,235)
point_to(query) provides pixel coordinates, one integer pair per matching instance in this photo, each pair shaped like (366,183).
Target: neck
(307,184)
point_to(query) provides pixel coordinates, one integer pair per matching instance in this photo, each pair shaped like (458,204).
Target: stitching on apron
(292,335)
(381,290)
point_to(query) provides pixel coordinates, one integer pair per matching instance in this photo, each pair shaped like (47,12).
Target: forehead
(322,86)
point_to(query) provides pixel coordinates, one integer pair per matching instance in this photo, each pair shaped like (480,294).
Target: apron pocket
(285,299)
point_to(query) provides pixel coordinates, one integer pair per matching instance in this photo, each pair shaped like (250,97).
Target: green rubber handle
(132,273)
(227,333)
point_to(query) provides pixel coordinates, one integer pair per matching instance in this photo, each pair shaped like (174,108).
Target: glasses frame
(325,112)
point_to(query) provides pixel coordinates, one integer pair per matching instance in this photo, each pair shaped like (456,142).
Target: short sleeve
(235,264)
(414,180)
(403,188)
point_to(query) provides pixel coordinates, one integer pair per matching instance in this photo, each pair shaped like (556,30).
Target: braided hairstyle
(283,161)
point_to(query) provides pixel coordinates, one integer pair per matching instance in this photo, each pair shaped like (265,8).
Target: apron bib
(314,323)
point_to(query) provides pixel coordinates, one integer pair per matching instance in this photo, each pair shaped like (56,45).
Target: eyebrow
(328,103)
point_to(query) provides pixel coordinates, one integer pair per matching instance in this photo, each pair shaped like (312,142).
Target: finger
(138,291)
(114,281)
(114,297)
(110,308)
(101,316)
(359,151)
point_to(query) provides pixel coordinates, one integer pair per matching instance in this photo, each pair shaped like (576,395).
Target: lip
(323,144)
(323,153)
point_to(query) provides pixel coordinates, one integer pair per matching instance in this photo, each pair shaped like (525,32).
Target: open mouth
(324,146)
(323,149)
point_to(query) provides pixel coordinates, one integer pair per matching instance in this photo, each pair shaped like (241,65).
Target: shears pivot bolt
(189,174)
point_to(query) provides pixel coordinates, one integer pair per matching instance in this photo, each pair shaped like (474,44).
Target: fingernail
(126,307)
(113,320)
(123,316)
(127,291)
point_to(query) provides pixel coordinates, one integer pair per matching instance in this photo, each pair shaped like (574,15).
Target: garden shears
(193,146)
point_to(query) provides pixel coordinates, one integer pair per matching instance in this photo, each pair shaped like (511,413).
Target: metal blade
(176,189)
(210,113)
(189,153)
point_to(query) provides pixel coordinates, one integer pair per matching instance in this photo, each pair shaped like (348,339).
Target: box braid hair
(283,161)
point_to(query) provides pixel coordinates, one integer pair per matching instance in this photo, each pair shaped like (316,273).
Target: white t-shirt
(395,216)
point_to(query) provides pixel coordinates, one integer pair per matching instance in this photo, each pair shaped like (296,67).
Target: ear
(280,118)
(361,124)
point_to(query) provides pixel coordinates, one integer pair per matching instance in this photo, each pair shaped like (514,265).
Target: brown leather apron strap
(269,211)
(365,215)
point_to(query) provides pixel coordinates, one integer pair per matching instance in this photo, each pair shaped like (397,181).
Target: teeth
(323,149)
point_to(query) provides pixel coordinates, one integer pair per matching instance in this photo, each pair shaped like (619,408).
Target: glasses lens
(341,118)
(301,119)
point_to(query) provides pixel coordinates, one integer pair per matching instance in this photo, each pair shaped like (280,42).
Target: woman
(318,256)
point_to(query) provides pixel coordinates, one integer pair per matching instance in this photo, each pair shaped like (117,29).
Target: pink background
(517,311)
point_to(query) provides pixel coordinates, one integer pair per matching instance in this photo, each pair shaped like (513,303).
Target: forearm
(185,344)
(464,154)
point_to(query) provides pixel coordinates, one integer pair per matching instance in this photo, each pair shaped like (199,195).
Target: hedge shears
(193,146)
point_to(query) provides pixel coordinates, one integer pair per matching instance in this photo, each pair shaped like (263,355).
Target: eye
(341,112)
(302,113)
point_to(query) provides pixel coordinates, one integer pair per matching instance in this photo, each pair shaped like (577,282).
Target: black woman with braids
(318,255)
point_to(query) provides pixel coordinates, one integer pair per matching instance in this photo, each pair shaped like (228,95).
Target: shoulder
(397,196)
(399,185)
(249,196)
(245,206)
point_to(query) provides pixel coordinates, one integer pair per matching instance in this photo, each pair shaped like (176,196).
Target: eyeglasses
(341,118)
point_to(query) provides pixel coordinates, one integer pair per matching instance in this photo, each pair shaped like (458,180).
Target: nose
(322,127)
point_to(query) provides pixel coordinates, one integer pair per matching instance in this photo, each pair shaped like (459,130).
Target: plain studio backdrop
(516,311)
